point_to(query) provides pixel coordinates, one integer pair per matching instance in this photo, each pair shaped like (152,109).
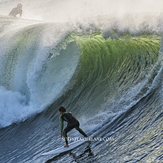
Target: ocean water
(101,60)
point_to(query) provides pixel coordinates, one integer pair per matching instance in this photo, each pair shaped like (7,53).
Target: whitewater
(101,60)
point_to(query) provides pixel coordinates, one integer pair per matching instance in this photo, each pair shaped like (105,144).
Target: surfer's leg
(65,136)
(81,131)
(65,131)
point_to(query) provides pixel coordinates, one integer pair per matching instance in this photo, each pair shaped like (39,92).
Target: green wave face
(109,67)
(125,60)
(81,70)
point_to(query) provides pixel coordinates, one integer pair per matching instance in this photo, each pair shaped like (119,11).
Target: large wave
(38,66)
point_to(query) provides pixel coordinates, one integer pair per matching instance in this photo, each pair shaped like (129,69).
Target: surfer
(16,11)
(72,122)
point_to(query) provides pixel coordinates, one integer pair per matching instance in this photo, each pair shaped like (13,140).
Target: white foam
(31,77)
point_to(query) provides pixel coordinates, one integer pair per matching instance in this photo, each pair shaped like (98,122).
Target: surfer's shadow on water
(78,155)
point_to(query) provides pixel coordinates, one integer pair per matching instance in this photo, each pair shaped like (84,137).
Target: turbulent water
(105,69)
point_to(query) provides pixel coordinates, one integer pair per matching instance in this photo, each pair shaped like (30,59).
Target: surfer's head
(19,5)
(62,109)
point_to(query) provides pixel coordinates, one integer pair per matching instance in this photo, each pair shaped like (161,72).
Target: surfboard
(64,149)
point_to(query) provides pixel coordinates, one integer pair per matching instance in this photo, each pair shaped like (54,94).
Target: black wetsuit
(72,122)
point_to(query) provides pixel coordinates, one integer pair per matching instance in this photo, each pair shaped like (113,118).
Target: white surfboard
(64,149)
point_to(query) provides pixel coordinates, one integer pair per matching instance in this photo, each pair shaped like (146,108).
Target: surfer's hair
(62,109)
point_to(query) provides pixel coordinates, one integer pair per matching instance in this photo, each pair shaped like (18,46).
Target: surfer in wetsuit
(16,11)
(72,122)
